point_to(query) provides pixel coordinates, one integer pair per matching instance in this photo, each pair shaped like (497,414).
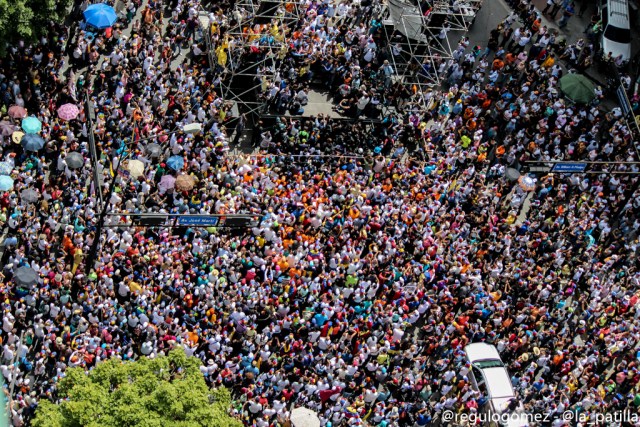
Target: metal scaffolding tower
(425,33)
(256,37)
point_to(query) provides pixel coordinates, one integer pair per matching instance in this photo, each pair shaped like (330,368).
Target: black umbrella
(153,150)
(512,174)
(74,160)
(25,277)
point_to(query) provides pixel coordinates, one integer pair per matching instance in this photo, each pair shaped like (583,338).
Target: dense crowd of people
(381,248)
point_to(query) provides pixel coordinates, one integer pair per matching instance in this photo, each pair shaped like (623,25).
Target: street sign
(240,222)
(569,167)
(150,220)
(199,220)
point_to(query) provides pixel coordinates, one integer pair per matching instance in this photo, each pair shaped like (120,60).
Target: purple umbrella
(167,182)
(7,128)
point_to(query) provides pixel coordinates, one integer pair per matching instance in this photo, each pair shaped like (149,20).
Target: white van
(490,377)
(616,34)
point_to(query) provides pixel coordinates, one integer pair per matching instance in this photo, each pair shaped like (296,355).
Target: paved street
(490,15)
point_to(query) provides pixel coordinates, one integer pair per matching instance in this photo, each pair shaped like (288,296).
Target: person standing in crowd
(374,250)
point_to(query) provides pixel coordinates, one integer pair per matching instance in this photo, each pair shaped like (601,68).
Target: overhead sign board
(199,221)
(569,167)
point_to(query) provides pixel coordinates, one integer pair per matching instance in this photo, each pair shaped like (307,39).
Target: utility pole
(92,147)
(95,245)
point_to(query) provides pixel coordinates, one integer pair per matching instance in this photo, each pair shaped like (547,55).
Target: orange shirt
(67,244)
(193,337)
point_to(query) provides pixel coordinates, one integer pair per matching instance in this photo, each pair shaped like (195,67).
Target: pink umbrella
(167,182)
(17,112)
(68,112)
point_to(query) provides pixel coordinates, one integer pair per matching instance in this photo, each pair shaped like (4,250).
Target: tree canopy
(164,391)
(28,19)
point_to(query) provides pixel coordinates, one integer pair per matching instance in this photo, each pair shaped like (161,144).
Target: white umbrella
(527,183)
(304,417)
(136,168)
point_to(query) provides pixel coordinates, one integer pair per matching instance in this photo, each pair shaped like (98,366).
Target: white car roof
(618,11)
(498,383)
(481,351)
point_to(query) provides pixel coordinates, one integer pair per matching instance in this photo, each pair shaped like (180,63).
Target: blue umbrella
(175,162)
(31,142)
(6,183)
(100,15)
(31,125)
(5,168)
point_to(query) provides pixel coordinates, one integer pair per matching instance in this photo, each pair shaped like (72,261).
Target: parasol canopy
(100,15)
(68,112)
(25,277)
(6,168)
(135,168)
(29,195)
(527,183)
(184,183)
(167,182)
(32,142)
(6,183)
(74,160)
(153,150)
(31,125)
(175,162)
(304,417)
(578,88)
(7,128)
(16,137)
(512,174)
(17,112)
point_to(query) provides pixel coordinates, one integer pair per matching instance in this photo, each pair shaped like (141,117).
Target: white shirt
(363,102)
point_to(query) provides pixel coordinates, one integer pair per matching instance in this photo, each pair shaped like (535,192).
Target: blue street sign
(569,167)
(199,220)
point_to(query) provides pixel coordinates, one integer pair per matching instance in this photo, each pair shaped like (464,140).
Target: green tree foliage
(164,391)
(28,19)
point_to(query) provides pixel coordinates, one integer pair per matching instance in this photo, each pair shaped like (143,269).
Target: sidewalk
(575,27)
(573,31)
(576,24)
